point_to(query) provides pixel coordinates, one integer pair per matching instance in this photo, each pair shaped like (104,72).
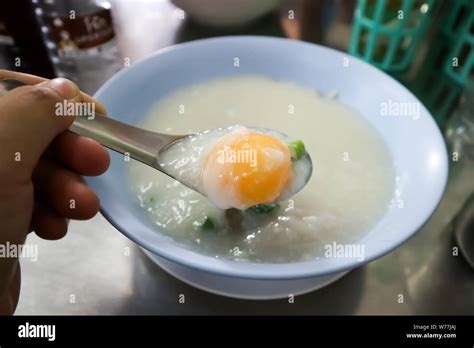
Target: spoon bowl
(173,159)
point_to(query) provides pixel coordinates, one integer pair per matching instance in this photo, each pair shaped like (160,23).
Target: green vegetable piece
(297,149)
(264,208)
(208,224)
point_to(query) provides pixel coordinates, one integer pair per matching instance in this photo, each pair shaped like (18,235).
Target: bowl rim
(294,270)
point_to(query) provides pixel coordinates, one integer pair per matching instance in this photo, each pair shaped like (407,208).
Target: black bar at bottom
(414,330)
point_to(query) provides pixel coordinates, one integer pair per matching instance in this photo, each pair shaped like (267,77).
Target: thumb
(28,124)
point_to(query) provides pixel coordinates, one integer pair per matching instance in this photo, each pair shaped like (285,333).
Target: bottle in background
(23,48)
(459,137)
(80,38)
(460,128)
(6,47)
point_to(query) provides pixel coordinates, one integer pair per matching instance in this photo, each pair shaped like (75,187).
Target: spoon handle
(138,143)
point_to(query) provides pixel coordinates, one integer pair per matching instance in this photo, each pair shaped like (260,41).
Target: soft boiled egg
(239,167)
(245,168)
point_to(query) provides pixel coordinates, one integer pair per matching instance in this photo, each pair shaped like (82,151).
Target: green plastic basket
(436,89)
(381,38)
(458,27)
(439,83)
(387,33)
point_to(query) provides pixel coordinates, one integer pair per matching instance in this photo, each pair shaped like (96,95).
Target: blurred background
(428,45)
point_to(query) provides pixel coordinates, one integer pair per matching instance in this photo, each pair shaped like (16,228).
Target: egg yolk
(246,168)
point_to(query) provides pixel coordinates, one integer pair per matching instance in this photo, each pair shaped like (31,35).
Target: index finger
(33,80)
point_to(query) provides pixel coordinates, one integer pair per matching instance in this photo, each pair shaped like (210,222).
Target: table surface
(96,270)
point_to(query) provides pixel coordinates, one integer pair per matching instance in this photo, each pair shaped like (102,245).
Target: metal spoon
(140,144)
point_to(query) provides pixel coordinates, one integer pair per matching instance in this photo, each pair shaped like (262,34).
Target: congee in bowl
(350,189)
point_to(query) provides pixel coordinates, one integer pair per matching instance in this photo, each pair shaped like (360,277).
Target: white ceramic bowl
(222,13)
(415,143)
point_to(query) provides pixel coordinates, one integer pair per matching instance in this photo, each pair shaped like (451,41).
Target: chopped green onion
(297,149)
(208,224)
(264,208)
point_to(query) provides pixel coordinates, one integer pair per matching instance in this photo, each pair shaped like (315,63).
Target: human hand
(40,168)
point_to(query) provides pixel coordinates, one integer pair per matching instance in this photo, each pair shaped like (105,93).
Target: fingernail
(65,87)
